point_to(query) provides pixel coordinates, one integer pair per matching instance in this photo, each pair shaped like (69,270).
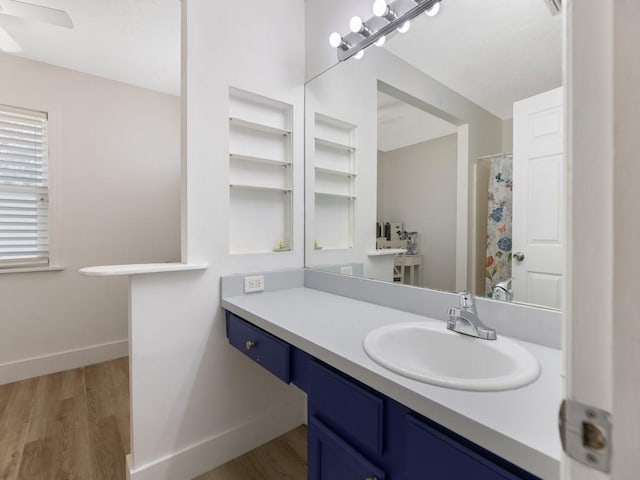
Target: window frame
(53,112)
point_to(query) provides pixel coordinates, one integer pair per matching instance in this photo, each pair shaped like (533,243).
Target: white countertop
(519,425)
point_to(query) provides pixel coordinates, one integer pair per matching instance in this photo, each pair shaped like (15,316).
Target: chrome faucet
(464,319)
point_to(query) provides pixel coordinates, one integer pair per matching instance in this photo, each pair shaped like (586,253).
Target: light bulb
(355,25)
(379,8)
(405,27)
(335,39)
(433,10)
(380,41)
(359,55)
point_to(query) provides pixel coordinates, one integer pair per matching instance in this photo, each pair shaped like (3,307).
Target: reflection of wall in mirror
(416,185)
(349,92)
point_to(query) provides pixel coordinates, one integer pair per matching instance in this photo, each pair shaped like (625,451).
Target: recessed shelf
(259,187)
(258,127)
(260,173)
(332,171)
(335,145)
(335,195)
(249,158)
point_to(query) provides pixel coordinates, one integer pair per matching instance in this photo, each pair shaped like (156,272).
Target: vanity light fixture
(388,17)
(405,27)
(356,25)
(433,11)
(336,41)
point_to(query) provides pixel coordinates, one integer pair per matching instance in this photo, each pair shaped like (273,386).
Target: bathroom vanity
(367,422)
(358,432)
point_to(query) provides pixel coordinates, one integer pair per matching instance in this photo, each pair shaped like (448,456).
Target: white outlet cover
(254,283)
(346,270)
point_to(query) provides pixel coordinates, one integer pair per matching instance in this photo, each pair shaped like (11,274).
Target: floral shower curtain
(499,222)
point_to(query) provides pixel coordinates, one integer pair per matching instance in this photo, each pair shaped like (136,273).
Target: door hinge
(585,432)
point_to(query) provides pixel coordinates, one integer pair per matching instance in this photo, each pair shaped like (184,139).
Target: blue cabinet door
(349,409)
(432,454)
(331,458)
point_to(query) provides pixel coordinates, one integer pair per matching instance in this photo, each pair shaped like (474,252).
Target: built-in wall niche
(260,173)
(334,183)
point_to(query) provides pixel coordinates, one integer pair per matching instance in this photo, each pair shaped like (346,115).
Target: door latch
(585,432)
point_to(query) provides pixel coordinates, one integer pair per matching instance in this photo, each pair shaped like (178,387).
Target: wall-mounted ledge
(140,268)
(385,251)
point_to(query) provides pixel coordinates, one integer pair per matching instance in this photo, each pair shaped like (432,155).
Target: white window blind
(24,190)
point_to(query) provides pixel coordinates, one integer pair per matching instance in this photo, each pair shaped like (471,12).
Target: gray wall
(418,188)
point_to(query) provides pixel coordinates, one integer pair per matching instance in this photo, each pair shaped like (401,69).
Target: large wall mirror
(436,159)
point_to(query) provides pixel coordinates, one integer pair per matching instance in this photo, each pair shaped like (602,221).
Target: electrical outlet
(346,270)
(254,283)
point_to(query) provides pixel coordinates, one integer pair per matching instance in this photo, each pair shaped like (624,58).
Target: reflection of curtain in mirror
(500,196)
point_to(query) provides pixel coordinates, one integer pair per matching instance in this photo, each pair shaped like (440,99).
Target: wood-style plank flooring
(284,458)
(74,425)
(71,425)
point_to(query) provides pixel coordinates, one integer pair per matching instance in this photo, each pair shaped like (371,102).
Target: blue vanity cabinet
(357,433)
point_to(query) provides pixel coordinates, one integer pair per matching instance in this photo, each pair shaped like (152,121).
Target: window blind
(24,189)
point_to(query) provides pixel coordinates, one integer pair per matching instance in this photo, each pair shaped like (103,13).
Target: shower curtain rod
(495,155)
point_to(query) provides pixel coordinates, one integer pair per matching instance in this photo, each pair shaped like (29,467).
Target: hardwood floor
(71,425)
(74,425)
(284,458)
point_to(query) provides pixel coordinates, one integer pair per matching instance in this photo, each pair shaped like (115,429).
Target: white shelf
(335,145)
(335,195)
(139,268)
(258,127)
(260,173)
(259,187)
(249,158)
(332,171)
(385,251)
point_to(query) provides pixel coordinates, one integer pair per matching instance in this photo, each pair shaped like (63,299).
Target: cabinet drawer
(265,349)
(349,409)
(432,454)
(331,458)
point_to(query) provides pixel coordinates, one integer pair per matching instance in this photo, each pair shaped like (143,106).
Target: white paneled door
(538,199)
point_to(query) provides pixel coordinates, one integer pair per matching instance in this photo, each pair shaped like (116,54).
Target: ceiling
(131,41)
(401,124)
(501,51)
(493,52)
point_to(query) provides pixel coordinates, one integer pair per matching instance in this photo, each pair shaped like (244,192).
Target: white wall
(419,189)
(196,401)
(116,183)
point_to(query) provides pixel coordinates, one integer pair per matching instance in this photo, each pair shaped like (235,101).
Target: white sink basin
(430,353)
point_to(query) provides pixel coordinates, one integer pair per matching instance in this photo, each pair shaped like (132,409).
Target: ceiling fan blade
(37,13)
(8,44)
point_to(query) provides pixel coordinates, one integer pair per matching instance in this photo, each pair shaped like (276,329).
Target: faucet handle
(467,300)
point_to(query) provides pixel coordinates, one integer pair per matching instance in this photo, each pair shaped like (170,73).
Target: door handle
(519,256)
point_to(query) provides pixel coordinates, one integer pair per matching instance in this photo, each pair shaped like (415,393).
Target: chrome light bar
(397,14)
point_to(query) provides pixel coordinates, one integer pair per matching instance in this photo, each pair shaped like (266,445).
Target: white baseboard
(58,362)
(208,454)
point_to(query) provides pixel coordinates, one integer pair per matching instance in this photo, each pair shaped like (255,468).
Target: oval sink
(430,353)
